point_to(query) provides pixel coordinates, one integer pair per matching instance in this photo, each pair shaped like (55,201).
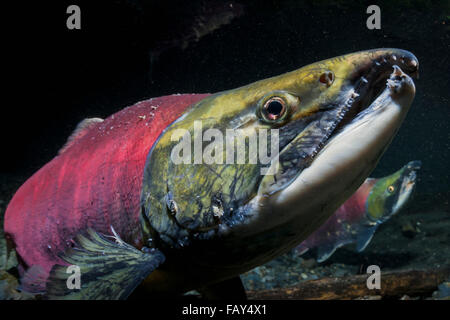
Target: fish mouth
(367,83)
(371,104)
(372,87)
(410,174)
(372,73)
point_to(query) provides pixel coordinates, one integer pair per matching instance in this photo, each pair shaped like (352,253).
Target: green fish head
(241,162)
(389,194)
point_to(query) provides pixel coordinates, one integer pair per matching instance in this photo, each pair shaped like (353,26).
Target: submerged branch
(394,284)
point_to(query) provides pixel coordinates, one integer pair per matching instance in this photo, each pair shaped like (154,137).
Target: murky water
(133,50)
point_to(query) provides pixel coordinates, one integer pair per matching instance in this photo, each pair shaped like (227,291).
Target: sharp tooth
(394,57)
(397,71)
(354,95)
(364,80)
(377,63)
(392,85)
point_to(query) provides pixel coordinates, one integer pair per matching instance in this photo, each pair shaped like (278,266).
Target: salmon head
(267,163)
(389,194)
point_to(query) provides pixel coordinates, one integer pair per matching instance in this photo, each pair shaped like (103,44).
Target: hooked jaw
(366,74)
(333,93)
(375,91)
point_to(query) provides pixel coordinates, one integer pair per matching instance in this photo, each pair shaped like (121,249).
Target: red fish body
(94,183)
(180,226)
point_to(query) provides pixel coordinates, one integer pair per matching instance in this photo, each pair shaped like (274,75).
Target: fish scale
(89,173)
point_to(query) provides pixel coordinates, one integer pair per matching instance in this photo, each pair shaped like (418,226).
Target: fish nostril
(327,78)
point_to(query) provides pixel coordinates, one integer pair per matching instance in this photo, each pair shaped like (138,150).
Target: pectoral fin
(108,269)
(326,250)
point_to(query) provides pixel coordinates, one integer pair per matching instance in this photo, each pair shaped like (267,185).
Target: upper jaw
(368,68)
(372,72)
(374,69)
(373,63)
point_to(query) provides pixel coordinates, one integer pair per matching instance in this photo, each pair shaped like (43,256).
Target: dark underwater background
(131,50)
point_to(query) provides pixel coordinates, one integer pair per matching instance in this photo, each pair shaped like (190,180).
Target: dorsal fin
(81,129)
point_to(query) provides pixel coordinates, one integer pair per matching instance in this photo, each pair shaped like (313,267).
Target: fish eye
(274,108)
(391,189)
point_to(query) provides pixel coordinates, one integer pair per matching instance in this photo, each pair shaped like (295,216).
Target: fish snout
(410,174)
(414,165)
(376,62)
(400,84)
